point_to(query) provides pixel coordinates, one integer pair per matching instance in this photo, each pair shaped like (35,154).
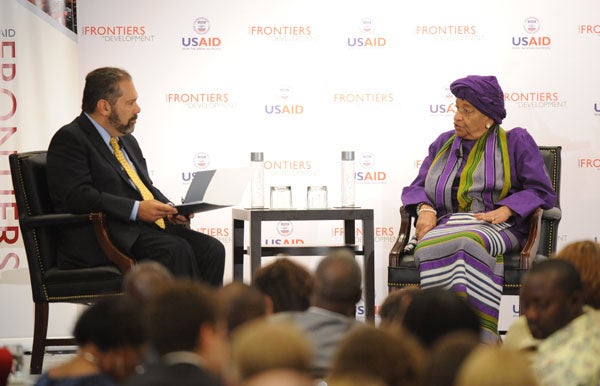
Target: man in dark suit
(84,175)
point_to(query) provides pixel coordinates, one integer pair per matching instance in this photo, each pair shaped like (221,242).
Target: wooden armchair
(541,243)
(39,226)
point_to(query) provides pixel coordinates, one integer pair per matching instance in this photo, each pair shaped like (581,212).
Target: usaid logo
(445,108)
(367,160)
(201,160)
(285,228)
(201,25)
(366,26)
(531,25)
(284,107)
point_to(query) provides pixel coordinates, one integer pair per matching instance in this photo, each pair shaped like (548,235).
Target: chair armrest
(532,244)
(403,237)
(122,261)
(58,219)
(554,214)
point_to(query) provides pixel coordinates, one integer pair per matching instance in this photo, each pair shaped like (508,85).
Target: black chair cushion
(63,285)
(407,274)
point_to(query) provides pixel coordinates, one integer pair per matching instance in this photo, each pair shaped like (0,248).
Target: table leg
(238,250)
(349,232)
(369,269)
(255,251)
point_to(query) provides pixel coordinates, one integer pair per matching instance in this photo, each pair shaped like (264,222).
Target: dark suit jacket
(84,176)
(179,374)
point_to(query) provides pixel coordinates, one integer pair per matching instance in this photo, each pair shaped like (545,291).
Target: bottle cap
(257,156)
(347,156)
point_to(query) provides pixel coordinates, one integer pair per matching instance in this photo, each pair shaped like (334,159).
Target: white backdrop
(302,80)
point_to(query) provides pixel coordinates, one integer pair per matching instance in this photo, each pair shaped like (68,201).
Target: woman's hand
(425,222)
(495,216)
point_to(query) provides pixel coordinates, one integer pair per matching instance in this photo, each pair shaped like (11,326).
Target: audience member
(110,337)
(189,337)
(447,356)
(394,306)
(286,284)
(494,366)
(337,289)
(552,301)
(240,303)
(435,312)
(260,345)
(280,377)
(146,280)
(585,257)
(370,352)
(354,380)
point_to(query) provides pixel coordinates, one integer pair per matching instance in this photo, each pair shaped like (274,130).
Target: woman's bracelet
(421,209)
(426,210)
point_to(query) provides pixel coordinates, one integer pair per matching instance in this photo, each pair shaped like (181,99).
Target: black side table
(256,250)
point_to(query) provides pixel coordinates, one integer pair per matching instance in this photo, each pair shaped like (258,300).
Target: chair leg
(40,329)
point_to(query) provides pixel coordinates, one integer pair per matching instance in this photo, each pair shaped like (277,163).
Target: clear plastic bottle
(348,179)
(258,180)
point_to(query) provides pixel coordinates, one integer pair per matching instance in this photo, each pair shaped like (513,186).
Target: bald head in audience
(337,283)
(146,280)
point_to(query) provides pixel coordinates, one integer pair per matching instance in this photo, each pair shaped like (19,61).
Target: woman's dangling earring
(488,125)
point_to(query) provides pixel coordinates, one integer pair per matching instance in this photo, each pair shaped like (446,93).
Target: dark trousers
(186,253)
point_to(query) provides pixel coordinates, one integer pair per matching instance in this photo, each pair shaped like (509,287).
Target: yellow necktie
(135,178)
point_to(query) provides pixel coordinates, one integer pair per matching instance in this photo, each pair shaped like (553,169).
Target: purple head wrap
(484,93)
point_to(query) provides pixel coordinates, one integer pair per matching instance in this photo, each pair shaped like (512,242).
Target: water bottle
(348,179)
(258,180)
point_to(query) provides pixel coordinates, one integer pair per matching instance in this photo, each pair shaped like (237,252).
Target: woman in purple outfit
(473,197)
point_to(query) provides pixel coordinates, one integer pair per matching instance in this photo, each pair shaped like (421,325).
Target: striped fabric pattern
(465,255)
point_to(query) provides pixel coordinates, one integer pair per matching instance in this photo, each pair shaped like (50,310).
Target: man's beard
(121,128)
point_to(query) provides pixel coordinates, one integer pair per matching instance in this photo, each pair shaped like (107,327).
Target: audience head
(287,285)
(356,380)
(551,296)
(447,356)
(494,366)
(240,303)
(435,312)
(375,353)
(262,345)
(102,83)
(337,284)
(111,333)
(585,256)
(394,306)
(146,280)
(185,318)
(279,377)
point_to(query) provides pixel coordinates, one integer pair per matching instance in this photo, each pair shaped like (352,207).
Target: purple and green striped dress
(460,178)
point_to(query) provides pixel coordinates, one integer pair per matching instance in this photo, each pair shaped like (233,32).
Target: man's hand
(180,219)
(152,210)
